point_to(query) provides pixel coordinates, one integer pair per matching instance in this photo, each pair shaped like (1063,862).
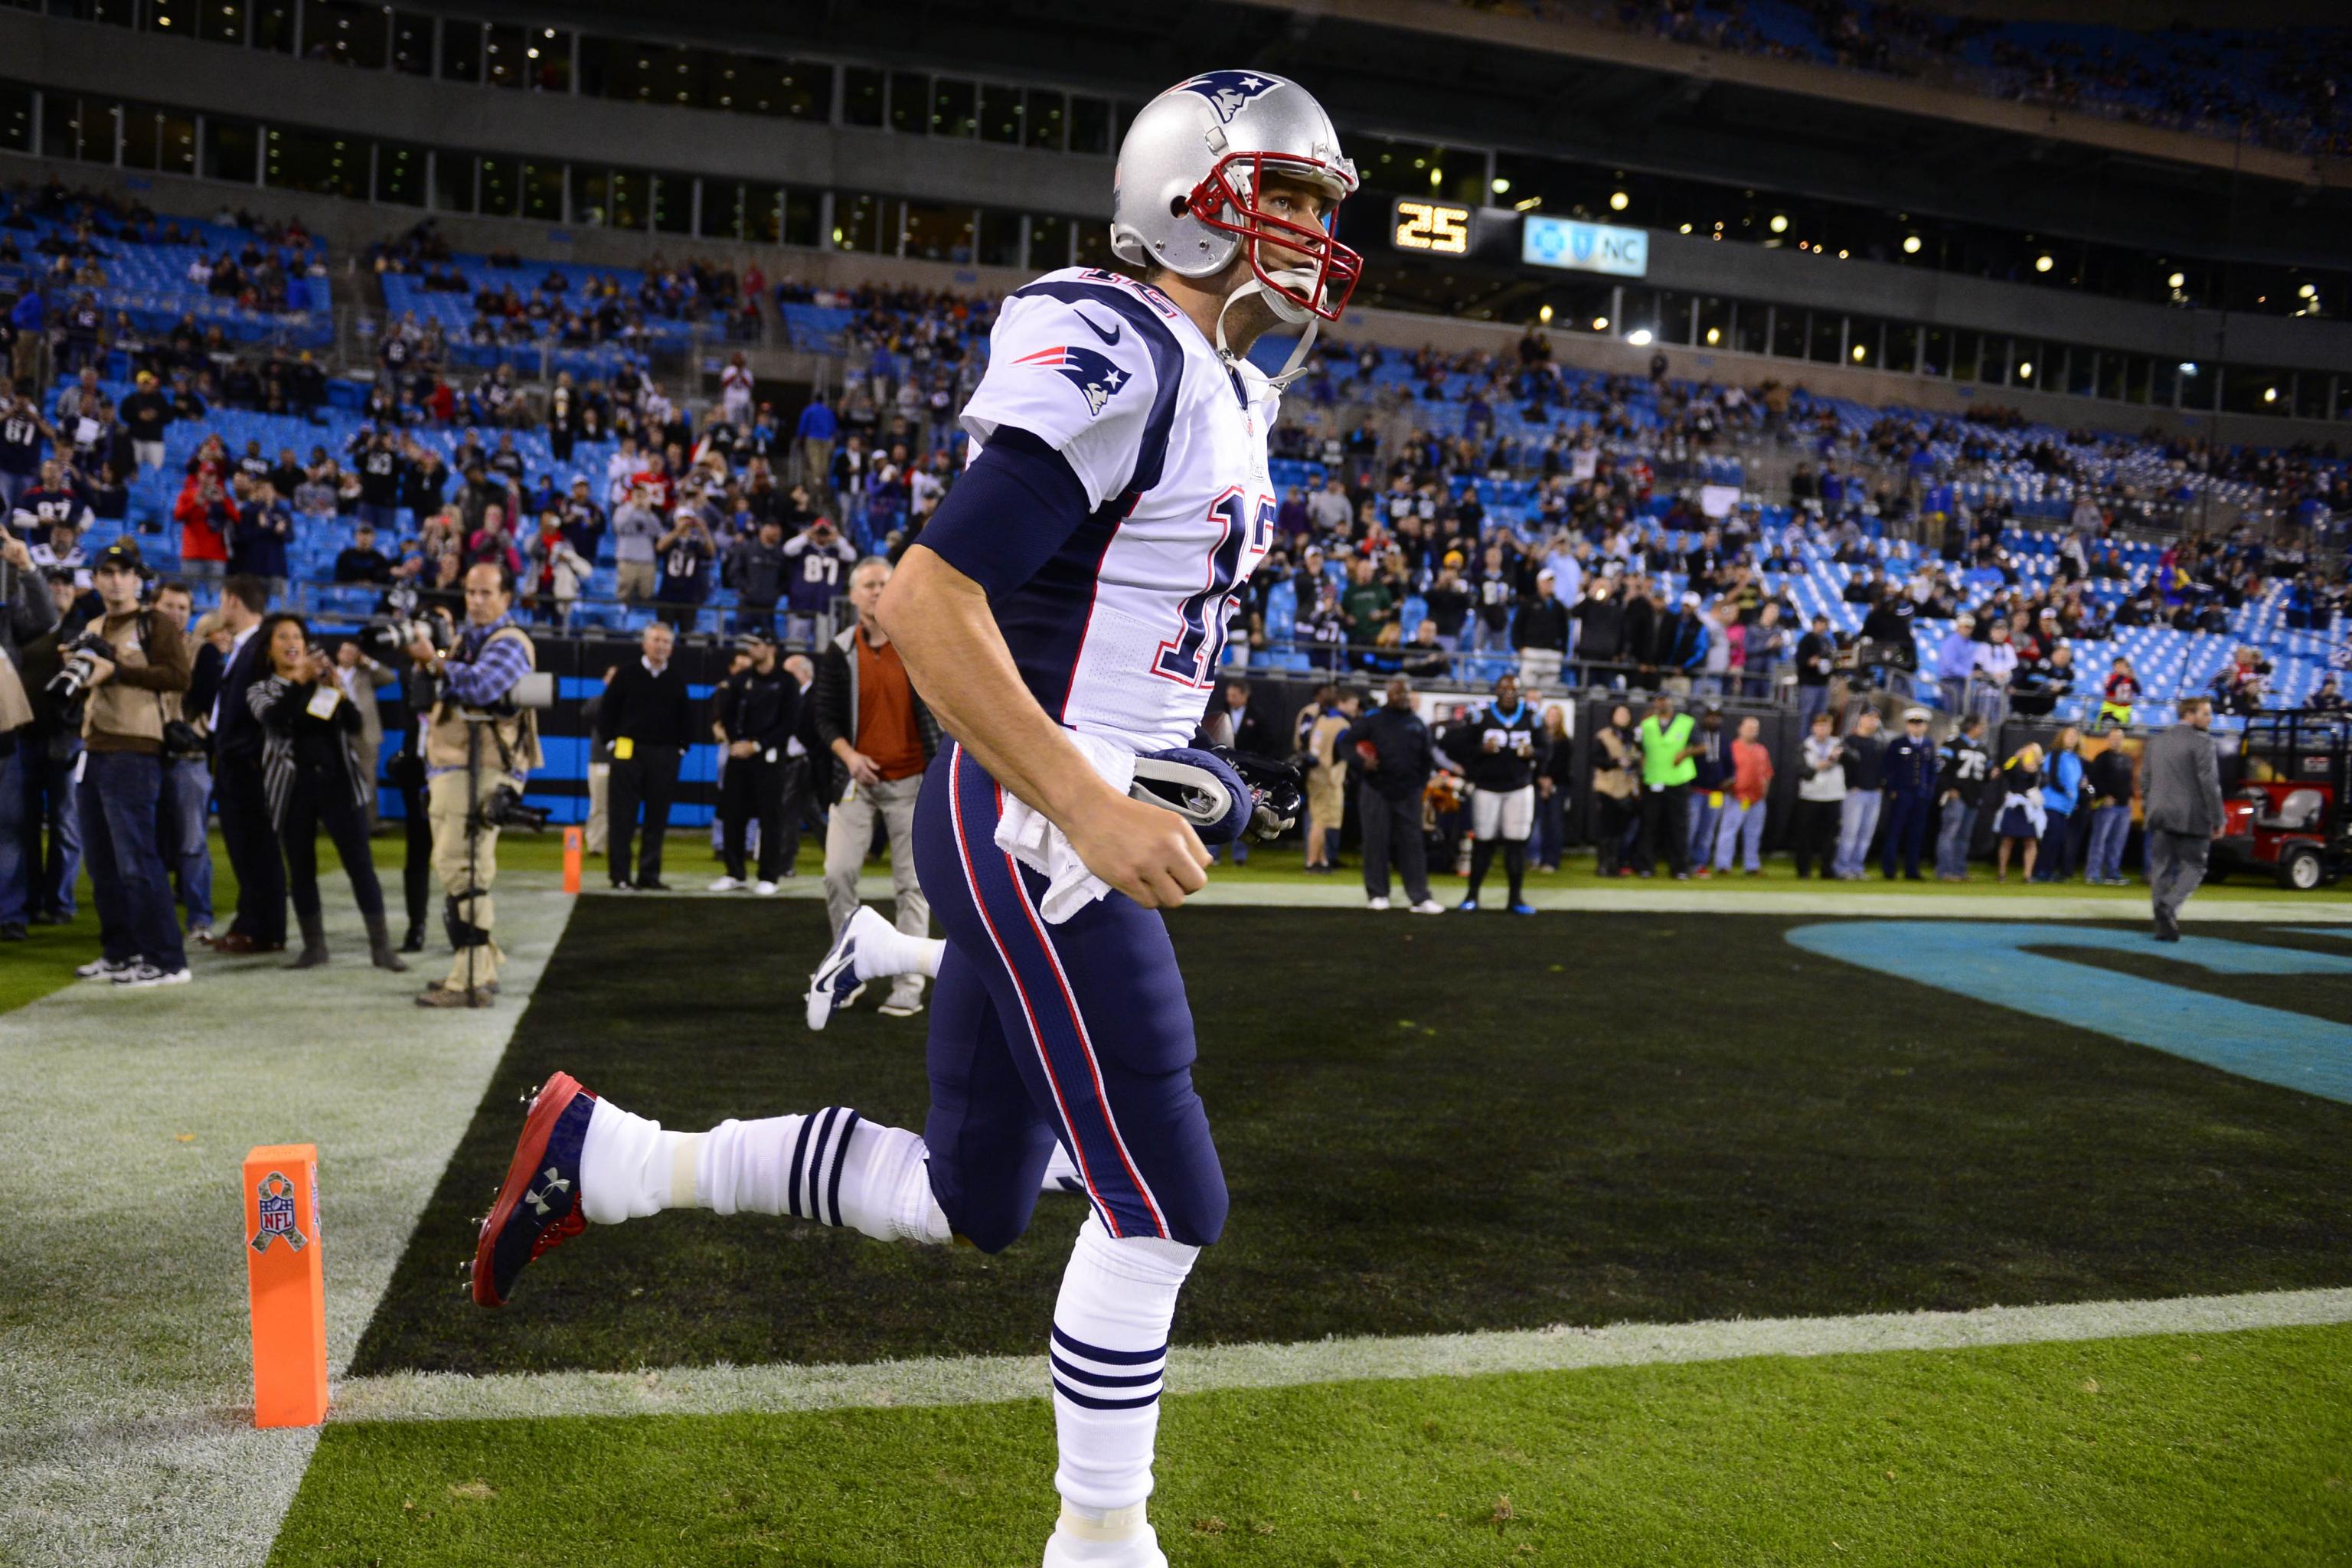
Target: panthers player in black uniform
(1499,749)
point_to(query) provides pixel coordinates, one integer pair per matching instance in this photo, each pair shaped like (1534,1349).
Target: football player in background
(1063,616)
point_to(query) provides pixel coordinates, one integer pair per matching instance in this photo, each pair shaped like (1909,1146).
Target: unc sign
(1584,247)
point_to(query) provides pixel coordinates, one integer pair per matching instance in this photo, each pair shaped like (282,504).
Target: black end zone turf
(1428,1125)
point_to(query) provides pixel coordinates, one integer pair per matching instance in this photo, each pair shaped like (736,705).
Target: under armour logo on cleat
(555,1183)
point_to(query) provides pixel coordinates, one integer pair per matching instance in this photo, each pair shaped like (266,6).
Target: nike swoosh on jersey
(1109,337)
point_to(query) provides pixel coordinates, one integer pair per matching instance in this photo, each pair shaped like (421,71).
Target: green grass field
(1469,1127)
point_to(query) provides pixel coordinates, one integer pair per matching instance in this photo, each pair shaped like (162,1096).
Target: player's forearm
(956,659)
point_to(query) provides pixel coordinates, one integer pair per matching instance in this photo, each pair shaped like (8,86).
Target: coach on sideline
(2183,784)
(870,717)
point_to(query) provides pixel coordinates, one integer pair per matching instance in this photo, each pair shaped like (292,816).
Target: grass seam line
(974,1380)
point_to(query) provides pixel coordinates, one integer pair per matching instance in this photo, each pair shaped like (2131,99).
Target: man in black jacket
(756,710)
(1539,631)
(1390,749)
(648,721)
(1498,749)
(246,829)
(1816,656)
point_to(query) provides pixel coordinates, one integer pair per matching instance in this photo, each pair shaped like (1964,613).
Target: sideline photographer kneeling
(478,744)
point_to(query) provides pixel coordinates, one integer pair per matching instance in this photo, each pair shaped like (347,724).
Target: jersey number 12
(1192,656)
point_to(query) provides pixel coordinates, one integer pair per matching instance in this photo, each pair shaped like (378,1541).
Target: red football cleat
(539,1203)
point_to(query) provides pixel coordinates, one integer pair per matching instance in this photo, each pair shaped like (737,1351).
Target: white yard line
(126,1387)
(975,1379)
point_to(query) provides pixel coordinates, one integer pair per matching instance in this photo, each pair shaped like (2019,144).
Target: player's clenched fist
(1147,854)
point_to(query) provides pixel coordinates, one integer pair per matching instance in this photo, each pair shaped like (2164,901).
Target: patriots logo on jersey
(1095,375)
(1228,91)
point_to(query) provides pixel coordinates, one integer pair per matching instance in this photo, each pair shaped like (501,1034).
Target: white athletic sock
(887,952)
(1109,1347)
(831,1166)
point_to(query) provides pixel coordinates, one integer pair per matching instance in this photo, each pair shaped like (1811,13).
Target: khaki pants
(445,809)
(848,834)
(599,788)
(633,581)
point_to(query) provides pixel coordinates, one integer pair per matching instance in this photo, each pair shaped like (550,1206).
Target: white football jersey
(1119,634)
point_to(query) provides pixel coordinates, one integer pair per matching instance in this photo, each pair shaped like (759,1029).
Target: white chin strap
(1288,310)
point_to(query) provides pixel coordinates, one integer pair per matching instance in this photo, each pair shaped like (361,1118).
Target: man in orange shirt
(882,736)
(1741,827)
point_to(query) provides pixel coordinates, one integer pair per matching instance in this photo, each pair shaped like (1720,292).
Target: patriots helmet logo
(1229,92)
(1097,376)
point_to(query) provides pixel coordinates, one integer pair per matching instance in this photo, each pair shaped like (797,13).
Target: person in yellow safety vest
(1667,773)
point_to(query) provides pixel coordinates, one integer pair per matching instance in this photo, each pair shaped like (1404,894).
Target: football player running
(1063,616)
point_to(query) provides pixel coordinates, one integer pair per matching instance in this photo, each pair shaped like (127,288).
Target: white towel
(1026,834)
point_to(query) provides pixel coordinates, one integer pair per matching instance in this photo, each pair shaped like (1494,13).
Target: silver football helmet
(1192,170)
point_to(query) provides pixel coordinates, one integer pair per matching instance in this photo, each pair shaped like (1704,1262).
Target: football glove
(1225,795)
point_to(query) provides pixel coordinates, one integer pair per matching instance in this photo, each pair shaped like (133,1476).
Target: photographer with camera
(132,667)
(313,777)
(478,747)
(27,611)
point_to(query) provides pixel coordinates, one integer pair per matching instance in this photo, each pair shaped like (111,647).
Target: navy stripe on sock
(800,1153)
(1097,1380)
(1116,1358)
(816,1160)
(840,1159)
(1089,1402)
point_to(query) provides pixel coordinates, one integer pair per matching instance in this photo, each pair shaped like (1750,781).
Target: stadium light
(2305,292)
(1842,256)
(1910,244)
(2043,263)
(2176,279)
(1714,336)
(1685,228)
(1639,337)
(1619,201)
(1527,206)
(2270,395)
(1860,353)
(1436,178)
(2025,370)
(1502,187)
(2188,367)
(1544,315)
(1779,222)
(1600,324)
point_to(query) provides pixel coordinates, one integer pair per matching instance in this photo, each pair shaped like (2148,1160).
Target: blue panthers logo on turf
(1228,91)
(1097,376)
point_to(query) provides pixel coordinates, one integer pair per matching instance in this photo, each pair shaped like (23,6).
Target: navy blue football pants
(1078,1032)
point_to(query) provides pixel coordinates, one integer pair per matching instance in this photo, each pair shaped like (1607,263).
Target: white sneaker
(835,983)
(142,976)
(765,890)
(1376,904)
(103,968)
(726,885)
(1429,907)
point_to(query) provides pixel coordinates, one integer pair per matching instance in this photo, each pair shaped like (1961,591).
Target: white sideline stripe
(981,1380)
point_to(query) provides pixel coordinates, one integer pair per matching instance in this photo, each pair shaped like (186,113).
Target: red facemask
(1336,267)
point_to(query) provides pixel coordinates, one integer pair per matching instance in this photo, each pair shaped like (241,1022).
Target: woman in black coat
(311,777)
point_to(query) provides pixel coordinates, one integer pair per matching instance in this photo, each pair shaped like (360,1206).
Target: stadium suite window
(1094,247)
(412,43)
(2198,382)
(674,203)
(1751,327)
(317,161)
(803,217)
(910,103)
(631,199)
(273,26)
(1789,332)
(1001,115)
(1901,352)
(16,119)
(542,192)
(2028,361)
(232,150)
(2310,394)
(862,94)
(1045,113)
(500,187)
(1863,347)
(345,33)
(453,175)
(461,51)
(1090,125)
(936,233)
(400,174)
(2081,371)
(2257,389)
(1000,238)
(1825,342)
(955,108)
(1993,359)
(1049,243)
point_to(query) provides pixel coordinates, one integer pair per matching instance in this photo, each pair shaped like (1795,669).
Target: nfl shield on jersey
(1120,634)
